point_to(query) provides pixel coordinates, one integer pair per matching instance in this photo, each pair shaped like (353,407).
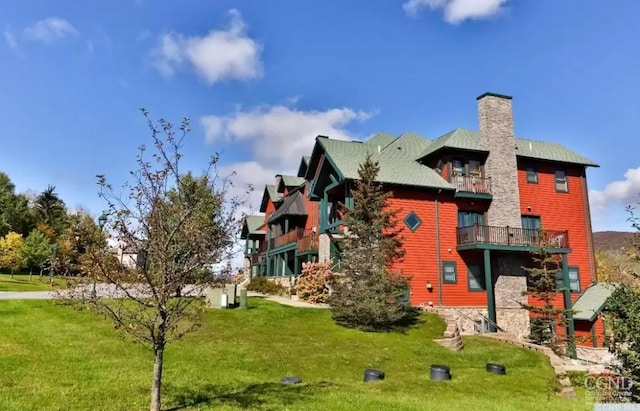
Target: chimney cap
(489,94)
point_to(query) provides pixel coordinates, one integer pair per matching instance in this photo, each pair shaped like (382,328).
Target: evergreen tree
(367,294)
(542,292)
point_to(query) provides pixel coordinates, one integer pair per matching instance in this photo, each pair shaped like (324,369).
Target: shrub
(263,286)
(313,284)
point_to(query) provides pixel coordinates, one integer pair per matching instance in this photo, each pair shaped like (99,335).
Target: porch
(514,238)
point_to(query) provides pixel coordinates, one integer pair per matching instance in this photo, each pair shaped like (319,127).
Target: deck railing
(482,234)
(287,238)
(471,184)
(308,243)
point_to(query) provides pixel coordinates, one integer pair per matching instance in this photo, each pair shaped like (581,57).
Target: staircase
(451,338)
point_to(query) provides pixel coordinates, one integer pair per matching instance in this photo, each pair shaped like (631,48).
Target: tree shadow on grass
(263,396)
(412,319)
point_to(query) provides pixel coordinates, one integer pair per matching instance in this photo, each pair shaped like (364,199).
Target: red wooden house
(474,205)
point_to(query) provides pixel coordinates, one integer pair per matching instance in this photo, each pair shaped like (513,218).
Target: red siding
(584,336)
(420,261)
(561,211)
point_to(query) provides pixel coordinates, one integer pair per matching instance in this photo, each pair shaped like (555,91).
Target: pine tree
(367,294)
(543,289)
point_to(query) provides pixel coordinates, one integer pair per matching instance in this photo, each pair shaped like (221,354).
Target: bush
(263,286)
(313,284)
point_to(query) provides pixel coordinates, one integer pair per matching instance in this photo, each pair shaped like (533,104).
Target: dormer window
(458,168)
(474,168)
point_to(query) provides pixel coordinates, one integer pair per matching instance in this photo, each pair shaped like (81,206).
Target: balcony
(308,243)
(471,186)
(287,238)
(482,236)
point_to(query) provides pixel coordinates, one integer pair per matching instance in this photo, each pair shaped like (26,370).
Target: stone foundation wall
(464,316)
(595,355)
(514,321)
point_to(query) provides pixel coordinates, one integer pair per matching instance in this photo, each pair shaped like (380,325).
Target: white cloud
(250,173)
(279,135)
(50,30)
(218,55)
(10,38)
(624,192)
(456,11)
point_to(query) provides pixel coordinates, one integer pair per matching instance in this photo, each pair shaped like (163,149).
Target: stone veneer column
(496,135)
(324,248)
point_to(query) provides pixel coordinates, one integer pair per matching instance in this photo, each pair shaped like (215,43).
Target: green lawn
(20,282)
(55,358)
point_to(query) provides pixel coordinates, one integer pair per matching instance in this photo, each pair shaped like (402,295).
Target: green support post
(491,299)
(571,348)
(323,210)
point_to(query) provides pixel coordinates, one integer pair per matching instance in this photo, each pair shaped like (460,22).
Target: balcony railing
(512,236)
(287,238)
(308,243)
(471,184)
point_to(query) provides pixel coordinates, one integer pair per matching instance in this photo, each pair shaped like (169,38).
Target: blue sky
(259,79)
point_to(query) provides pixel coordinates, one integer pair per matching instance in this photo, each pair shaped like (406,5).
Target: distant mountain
(612,240)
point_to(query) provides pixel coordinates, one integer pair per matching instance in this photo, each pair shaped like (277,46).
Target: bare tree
(178,225)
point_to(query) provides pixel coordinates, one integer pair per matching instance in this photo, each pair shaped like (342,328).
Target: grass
(20,282)
(55,358)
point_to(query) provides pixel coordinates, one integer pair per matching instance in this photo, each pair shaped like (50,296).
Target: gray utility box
(221,297)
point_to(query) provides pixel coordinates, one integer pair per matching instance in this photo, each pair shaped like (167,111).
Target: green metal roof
(380,139)
(292,181)
(543,150)
(273,193)
(590,303)
(346,156)
(270,193)
(252,225)
(396,160)
(463,139)
(460,138)
(293,205)
(398,163)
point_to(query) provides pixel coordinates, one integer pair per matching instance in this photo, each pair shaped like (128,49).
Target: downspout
(438,250)
(587,226)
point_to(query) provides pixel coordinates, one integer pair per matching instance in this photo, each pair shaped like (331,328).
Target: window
(562,185)
(474,168)
(574,280)
(449,272)
(469,218)
(458,168)
(412,221)
(531,225)
(475,278)
(531,222)
(532,175)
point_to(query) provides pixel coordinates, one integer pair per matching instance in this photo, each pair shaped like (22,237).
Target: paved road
(26,295)
(104,290)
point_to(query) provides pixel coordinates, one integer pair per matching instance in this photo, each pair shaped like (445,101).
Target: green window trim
(449,272)
(412,221)
(574,280)
(475,278)
(532,175)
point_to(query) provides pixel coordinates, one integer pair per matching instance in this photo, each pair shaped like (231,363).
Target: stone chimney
(496,135)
